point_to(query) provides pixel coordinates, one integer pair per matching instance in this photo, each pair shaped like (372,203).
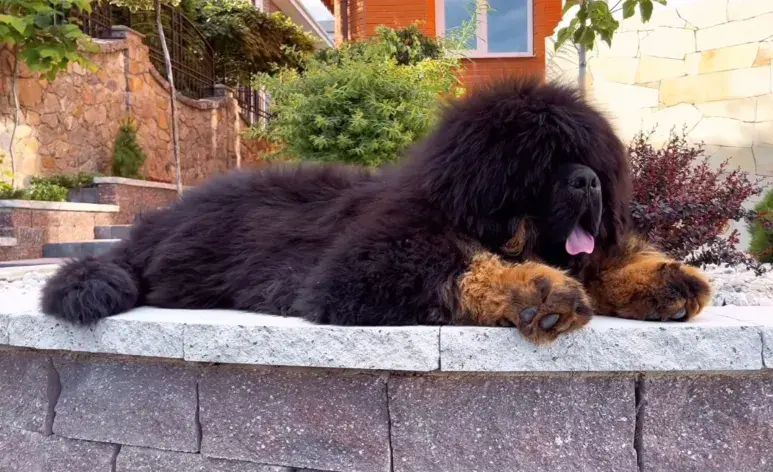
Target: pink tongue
(579,241)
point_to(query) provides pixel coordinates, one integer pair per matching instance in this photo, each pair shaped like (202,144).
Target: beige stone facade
(70,124)
(704,65)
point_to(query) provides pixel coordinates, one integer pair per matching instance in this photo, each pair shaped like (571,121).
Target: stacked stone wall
(70,124)
(704,65)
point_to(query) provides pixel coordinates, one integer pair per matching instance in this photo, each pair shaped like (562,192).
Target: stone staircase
(112,232)
(89,223)
(104,238)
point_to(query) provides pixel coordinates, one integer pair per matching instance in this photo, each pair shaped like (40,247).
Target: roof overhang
(298,13)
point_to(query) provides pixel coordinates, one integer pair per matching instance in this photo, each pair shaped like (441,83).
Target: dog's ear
(523,240)
(615,176)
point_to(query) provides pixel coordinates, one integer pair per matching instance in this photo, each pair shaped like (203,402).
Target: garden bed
(134,196)
(179,390)
(35,223)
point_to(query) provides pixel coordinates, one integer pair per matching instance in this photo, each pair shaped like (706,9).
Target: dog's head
(528,169)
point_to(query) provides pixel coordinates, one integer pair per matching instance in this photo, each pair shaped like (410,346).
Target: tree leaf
(563,35)
(18,23)
(72,31)
(607,37)
(600,8)
(578,34)
(43,21)
(569,4)
(49,52)
(645,8)
(629,8)
(588,37)
(582,13)
(41,7)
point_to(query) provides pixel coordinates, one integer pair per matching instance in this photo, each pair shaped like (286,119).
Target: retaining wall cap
(8,242)
(59,206)
(721,339)
(136,183)
(711,342)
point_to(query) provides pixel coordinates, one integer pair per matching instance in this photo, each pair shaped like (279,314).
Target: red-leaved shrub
(683,205)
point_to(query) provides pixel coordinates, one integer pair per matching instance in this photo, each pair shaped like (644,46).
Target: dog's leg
(541,301)
(639,282)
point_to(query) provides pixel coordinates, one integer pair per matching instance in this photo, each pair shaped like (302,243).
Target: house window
(504,27)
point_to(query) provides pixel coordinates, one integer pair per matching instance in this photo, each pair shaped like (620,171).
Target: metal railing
(193,60)
(98,23)
(252,104)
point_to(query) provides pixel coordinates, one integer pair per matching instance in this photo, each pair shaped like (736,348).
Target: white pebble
(734,285)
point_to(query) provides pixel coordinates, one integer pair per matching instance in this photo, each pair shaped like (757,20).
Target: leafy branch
(595,19)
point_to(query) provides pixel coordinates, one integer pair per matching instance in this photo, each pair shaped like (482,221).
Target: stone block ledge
(721,339)
(705,405)
(135,183)
(58,206)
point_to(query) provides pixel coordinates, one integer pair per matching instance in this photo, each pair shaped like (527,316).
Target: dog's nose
(585,180)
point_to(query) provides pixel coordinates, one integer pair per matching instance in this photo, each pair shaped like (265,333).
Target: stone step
(78,248)
(112,232)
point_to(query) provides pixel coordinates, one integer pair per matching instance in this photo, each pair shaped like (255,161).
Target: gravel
(735,286)
(738,286)
(18,282)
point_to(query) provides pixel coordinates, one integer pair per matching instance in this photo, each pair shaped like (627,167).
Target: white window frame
(482,31)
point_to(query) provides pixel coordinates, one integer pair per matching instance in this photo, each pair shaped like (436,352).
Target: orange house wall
(547,14)
(398,14)
(357,20)
(366,15)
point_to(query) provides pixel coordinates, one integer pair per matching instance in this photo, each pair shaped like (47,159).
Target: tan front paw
(546,307)
(656,290)
(542,302)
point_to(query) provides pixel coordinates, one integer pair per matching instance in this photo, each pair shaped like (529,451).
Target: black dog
(514,211)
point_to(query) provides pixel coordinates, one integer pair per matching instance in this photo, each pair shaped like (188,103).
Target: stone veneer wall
(705,65)
(70,124)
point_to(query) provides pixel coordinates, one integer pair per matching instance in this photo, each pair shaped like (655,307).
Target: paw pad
(528,314)
(548,321)
(680,314)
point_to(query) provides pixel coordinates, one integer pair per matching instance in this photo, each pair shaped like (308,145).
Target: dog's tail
(86,290)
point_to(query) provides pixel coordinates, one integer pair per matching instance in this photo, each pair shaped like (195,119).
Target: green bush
(73,181)
(48,192)
(761,230)
(7,192)
(42,191)
(128,156)
(42,188)
(358,104)
(406,45)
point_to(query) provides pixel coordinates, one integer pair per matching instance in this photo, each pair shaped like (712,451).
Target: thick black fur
(343,245)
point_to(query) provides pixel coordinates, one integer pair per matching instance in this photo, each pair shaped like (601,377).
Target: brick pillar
(341,23)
